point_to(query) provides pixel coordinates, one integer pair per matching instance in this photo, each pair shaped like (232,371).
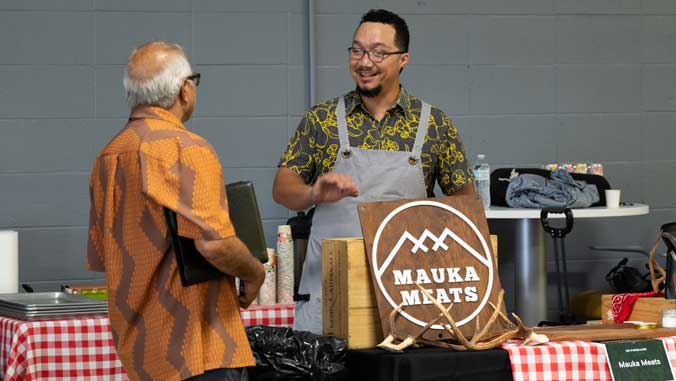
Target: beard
(370,93)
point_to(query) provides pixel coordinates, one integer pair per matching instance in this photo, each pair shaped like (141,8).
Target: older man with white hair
(162,330)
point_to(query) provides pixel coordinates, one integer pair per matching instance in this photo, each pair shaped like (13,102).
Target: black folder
(193,268)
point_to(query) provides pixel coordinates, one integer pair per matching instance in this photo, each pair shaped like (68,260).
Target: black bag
(246,218)
(500,182)
(301,224)
(623,278)
(192,267)
(284,354)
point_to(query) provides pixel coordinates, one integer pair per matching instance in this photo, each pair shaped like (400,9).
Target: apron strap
(422,132)
(342,127)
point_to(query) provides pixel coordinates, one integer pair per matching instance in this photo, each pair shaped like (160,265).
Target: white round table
(524,236)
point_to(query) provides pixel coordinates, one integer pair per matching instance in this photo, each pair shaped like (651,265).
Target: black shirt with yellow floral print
(312,149)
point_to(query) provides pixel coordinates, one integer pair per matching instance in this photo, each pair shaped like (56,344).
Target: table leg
(530,273)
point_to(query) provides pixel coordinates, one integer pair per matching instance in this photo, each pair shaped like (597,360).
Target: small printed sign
(638,360)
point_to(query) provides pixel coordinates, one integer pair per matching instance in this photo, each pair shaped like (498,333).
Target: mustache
(366,70)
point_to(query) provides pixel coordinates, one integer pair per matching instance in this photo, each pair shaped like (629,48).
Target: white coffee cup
(613,198)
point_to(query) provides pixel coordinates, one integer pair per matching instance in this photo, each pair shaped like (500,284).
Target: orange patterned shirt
(162,330)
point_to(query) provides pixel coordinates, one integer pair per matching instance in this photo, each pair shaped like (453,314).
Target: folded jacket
(534,191)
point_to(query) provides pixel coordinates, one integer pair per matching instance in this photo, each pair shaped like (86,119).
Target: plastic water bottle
(482,180)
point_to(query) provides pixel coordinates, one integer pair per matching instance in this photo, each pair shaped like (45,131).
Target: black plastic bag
(284,354)
(623,278)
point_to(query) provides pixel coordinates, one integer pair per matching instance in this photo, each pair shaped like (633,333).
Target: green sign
(638,360)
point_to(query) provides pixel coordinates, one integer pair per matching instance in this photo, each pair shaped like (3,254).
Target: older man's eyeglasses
(376,56)
(195,78)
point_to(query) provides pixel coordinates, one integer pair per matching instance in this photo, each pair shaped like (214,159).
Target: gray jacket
(533,191)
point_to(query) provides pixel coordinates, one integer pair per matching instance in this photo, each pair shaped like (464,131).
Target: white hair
(162,88)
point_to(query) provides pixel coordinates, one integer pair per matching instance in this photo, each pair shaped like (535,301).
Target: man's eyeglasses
(376,56)
(195,78)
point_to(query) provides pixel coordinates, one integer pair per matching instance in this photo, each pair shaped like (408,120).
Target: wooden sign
(443,245)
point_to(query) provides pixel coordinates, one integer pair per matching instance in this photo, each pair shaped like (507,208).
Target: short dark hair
(401,35)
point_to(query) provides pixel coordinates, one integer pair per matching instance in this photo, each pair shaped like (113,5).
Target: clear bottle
(482,180)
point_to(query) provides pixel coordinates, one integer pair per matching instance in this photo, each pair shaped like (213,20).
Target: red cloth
(621,304)
(567,360)
(81,348)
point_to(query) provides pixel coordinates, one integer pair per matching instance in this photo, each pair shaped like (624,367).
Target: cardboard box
(644,309)
(349,309)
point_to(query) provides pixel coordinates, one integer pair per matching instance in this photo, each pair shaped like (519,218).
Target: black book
(192,266)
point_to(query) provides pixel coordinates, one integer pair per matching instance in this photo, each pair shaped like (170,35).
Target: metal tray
(49,316)
(41,301)
(4,307)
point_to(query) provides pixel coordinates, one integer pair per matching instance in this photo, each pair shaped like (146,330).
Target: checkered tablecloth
(75,349)
(278,315)
(566,360)
(82,349)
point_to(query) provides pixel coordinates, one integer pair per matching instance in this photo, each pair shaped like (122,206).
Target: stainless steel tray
(4,307)
(49,316)
(43,301)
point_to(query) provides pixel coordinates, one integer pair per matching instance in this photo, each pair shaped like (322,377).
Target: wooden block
(349,303)
(600,332)
(349,309)
(644,309)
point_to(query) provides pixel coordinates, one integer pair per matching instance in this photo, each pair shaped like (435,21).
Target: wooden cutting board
(602,332)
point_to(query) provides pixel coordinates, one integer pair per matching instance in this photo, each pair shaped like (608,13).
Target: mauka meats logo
(439,251)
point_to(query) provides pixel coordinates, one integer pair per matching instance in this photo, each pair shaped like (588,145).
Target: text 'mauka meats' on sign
(441,244)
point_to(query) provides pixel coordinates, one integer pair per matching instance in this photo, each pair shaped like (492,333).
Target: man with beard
(365,146)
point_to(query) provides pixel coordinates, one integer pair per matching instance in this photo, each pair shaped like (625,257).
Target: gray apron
(379,176)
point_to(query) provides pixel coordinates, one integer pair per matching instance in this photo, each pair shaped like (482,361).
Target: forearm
(232,257)
(290,190)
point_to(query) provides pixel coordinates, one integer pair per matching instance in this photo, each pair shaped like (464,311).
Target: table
(82,348)
(567,360)
(524,237)
(429,364)
(556,361)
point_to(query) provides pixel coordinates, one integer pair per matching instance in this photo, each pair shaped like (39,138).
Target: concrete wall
(528,82)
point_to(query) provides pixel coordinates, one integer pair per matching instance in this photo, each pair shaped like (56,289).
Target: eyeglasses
(376,56)
(195,78)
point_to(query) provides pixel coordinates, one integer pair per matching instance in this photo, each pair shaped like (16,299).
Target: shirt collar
(352,100)
(155,112)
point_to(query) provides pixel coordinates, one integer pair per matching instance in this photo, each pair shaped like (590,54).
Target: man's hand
(232,257)
(290,189)
(332,187)
(250,291)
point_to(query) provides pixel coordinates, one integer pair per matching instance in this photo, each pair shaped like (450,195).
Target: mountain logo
(444,280)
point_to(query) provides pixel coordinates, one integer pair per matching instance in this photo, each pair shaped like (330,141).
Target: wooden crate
(349,303)
(349,308)
(645,309)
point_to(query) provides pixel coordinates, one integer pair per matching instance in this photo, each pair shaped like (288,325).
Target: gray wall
(528,82)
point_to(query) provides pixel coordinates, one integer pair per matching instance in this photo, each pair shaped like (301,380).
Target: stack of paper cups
(284,265)
(9,261)
(268,293)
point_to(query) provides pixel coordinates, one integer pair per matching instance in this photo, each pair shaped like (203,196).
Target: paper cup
(613,198)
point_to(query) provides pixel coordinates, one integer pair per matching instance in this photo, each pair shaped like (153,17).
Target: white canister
(669,318)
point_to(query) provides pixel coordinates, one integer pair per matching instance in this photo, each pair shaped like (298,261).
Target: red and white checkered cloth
(76,349)
(82,349)
(278,315)
(566,360)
